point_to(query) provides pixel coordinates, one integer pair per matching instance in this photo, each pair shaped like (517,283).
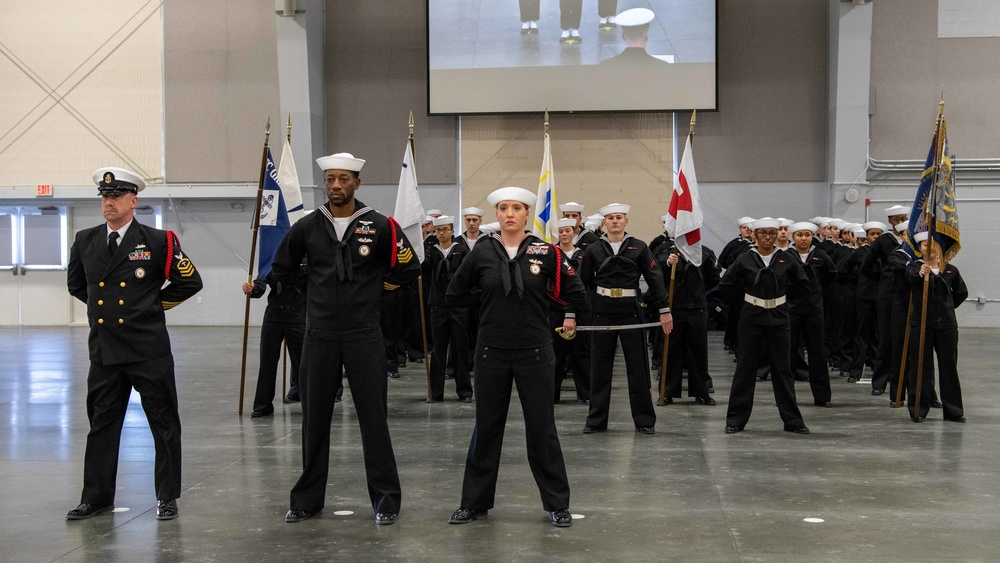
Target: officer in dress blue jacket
(354,255)
(807,310)
(517,274)
(610,270)
(763,276)
(946,291)
(119,270)
(448,322)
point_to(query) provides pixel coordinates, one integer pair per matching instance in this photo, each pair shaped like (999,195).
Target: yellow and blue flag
(546,218)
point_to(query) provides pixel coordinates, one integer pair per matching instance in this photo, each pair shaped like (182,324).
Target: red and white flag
(684,217)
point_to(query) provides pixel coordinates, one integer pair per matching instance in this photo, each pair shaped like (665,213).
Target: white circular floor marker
(343,512)
(813,520)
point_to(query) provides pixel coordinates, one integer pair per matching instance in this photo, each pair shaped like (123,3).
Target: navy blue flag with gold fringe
(935,200)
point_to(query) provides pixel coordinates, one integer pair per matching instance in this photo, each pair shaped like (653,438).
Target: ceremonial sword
(593,328)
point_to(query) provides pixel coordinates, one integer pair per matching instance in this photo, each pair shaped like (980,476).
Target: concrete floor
(886,489)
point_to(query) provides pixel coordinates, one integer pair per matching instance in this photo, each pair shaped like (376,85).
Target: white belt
(764,303)
(616,292)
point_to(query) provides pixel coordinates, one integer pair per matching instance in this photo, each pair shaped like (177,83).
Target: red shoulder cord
(392,255)
(171,238)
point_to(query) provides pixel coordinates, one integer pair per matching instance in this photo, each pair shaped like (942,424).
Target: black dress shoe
(917,418)
(259,413)
(465,399)
(385,518)
(800,429)
(292,397)
(297,515)
(878,391)
(733,429)
(465,515)
(955,418)
(84,511)
(648,430)
(588,429)
(711,389)
(583,401)
(561,518)
(826,405)
(392,375)
(935,404)
(706,400)
(166,509)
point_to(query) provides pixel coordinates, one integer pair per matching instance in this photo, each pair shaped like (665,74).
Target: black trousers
(602,359)
(897,334)
(865,338)
(607,8)
(569,13)
(393,324)
(688,347)
(272,335)
(771,342)
(944,344)
(848,329)
(883,353)
(108,390)
(325,354)
(732,336)
(808,331)
(450,326)
(529,12)
(531,370)
(575,355)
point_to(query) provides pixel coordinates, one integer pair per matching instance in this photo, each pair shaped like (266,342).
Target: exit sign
(43,190)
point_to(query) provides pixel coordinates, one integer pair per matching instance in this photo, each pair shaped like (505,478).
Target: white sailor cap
(427,219)
(566,223)
(596,217)
(745,221)
(896,210)
(803,226)
(472,211)
(837,223)
(592,224)
(571,207)
(511,194)
(490,227)
(434,212)
(112,180)
(785,222)
(824,221)
(920,237)
(765,223)
(443,220)
(875,225)
(857,231)
(901,226)
(815,220)
(635,17)
(615,208)
(340,161)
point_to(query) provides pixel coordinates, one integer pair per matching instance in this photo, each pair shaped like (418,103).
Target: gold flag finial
(411,123)
(267,131)
(288,129)
(694,114)
(546,121)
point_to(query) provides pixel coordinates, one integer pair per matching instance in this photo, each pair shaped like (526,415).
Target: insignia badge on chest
(140,273)
(535,269)
(364,250)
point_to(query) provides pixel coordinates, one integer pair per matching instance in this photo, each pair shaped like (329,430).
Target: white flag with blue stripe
(546,217)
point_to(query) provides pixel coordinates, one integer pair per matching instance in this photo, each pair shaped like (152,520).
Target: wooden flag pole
(670,300)
(902,364)
(928,218)
(253,255)
(420,291)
